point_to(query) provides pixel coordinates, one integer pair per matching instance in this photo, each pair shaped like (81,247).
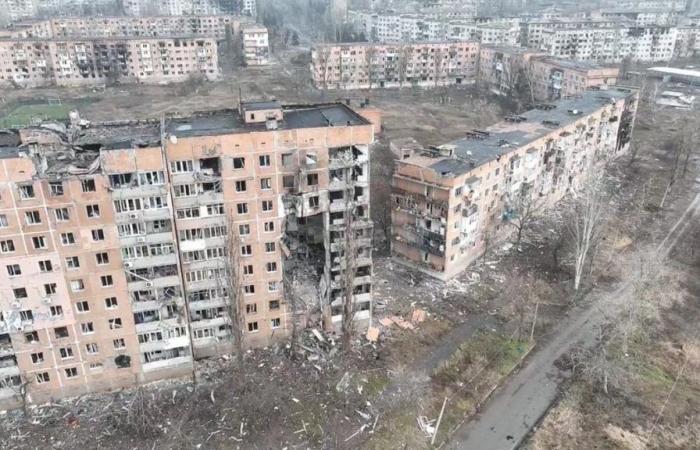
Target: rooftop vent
(515,119)
(477,134)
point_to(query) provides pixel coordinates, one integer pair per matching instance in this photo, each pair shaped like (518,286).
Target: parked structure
(117,240)
(367,66)
(451,202)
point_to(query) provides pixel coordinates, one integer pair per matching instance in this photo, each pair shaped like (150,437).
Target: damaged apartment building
(449,202)
(117,240)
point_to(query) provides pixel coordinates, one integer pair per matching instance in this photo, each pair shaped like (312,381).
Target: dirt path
(526,396)
(451,342)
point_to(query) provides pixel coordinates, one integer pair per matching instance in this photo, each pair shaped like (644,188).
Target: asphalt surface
(508,417)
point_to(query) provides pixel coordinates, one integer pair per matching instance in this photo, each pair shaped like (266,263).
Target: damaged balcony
(161,359)
(152,277)
(8,366)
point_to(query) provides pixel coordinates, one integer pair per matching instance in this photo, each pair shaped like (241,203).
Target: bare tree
(404,60)
(231,277)
(524,209)
(321,62)
(587,214)
(370,56)
(524,293)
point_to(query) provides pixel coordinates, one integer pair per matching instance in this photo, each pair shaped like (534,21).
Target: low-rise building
(124,245)
(367,66)
(451,202)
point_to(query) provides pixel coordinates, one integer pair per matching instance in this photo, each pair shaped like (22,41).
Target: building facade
(89,62)
(367,66)
(553,79)
(119,241)
(256,45)
(102,27)
(450,203)
(502,70)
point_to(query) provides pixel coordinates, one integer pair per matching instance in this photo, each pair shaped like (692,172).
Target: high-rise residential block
(451,202)
(118,241)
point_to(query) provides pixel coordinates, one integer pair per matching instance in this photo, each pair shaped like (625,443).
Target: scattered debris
(418,316)
(373,334)
(344,383)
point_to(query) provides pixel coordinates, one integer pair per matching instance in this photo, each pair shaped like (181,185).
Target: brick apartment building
(115,238)
(101,50)
(504,70)
(103,27)
(448,202)
(84,62)
(256,45)
(362,66)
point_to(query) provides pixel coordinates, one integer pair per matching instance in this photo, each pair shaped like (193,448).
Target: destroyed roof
(9,138)
(120,135)
(504,137)
(295,116)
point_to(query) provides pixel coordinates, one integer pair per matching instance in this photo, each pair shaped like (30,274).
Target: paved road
(510,414)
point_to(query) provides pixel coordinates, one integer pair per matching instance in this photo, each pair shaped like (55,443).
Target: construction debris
(387,322)
(373,334)
(418,316)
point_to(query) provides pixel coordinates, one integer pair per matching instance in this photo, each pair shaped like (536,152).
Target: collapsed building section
(127,244)
(449,202)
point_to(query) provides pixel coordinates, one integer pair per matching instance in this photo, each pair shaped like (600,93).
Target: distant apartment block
(117,240)
(69,62)
(14,10)
(171,7)
(249,8)
(505,70)
(390,27)
(602,40)
(502,69)
(102,50)
(366,66)
(256,45)
(142,27)
(450,202)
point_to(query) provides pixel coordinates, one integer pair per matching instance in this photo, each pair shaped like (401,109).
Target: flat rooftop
(128,134)
(575,65)
(295,117)
(504,137)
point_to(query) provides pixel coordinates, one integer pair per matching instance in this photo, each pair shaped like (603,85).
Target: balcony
(165,344)
(428,234)
(166,363)
(162,282)
(151,261)
(158,325)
